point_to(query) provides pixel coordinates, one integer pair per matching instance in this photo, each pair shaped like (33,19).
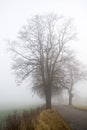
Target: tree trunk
(70,98)
(48,97)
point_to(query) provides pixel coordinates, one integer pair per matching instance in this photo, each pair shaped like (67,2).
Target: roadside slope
(50,120)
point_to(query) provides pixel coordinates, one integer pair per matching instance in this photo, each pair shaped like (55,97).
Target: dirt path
(77,119)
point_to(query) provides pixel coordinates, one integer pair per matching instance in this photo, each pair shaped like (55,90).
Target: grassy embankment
(35,119)
(80,107)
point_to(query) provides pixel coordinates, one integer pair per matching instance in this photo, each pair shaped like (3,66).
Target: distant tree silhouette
(74,72)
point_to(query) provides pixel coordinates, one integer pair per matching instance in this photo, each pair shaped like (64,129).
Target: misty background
(13,15)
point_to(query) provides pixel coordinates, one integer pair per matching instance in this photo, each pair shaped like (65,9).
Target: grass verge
(81,107)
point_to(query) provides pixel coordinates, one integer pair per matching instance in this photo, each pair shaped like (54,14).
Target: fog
(14,14)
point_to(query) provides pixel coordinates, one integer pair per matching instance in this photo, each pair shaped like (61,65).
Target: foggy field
(4,113)
(80,107)
(9,111)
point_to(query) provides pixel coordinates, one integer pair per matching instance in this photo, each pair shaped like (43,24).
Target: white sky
(14,14)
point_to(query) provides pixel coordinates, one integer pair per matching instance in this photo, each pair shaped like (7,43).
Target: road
(76,118)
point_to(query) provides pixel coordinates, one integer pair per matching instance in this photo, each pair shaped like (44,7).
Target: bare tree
(41,50)
(74,72)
